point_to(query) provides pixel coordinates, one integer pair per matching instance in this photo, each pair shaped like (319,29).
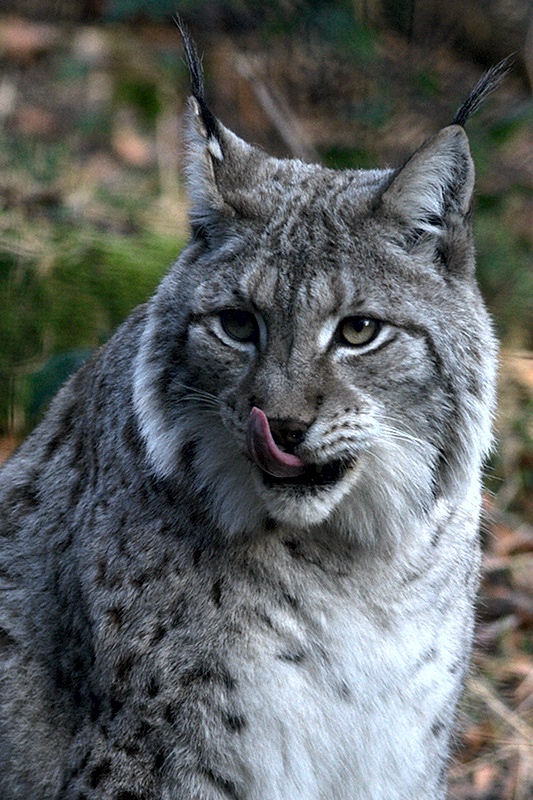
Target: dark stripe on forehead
(330,227)
(301,213)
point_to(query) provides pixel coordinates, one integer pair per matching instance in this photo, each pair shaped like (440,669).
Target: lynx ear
(221,167)
(436,181)
(222,170)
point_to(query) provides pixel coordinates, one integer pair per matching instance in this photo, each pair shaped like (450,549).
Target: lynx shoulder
(238,557)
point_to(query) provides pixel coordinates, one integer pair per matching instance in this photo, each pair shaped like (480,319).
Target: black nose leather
(288,433)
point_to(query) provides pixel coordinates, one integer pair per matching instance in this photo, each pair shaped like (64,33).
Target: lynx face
(311,371)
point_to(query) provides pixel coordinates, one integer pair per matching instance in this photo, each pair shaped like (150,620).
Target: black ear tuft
(485,85)
(196,72)
(222,170)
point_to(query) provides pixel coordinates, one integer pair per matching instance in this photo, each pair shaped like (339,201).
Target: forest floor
(117,170)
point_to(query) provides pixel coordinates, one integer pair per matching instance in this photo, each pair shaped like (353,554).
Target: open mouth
(314,476)
(283,469)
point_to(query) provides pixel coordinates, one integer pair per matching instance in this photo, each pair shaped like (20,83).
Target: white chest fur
(353,699)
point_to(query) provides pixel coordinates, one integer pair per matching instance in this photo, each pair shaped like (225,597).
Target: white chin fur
(388,492)
(307,509)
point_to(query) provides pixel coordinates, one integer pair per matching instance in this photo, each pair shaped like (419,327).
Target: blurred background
(93,211)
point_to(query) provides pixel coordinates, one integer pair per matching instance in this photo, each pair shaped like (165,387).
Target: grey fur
(176,623)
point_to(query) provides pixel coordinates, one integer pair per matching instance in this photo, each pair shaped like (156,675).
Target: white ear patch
(214,148)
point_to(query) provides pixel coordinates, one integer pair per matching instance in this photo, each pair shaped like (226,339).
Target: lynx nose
(288,433)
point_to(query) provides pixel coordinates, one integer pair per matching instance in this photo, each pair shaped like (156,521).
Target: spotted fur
(177,623)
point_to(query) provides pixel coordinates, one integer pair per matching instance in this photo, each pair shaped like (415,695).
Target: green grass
(61,301)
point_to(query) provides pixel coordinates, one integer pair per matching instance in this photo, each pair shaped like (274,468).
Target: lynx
(240,553)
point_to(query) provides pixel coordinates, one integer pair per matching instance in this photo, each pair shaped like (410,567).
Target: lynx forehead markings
(238,557)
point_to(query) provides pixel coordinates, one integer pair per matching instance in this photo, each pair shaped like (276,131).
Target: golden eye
(357,331)
(239,325)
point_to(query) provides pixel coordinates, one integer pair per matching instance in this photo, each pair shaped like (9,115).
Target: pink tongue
(265,451)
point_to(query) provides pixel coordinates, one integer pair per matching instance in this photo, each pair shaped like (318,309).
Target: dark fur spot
(61,433)
(216,592)
(179,611)
(442,253)
(223,676)
(95,707)
(265,618)
(208,673)
(131,749)
(98,772)
(297,551)
(235,722)
(115,706)
(78,769)
(411,576)
(435,537)
(6,640)
(226,785)
(456,667)
(344,691)
(291,546)
(126,795)
(124,667)
(28,496)
(270,524)
(290,599)
(188,456)
(152,686)
(115,615)
(475,388)
(159,634)
(159,761)
(64,545)
(142,730)
(140,579)
(292,658)
(22,498)
(101,571)
(130,435)
(437,728)
(77,457)
(164,381)
(170,715)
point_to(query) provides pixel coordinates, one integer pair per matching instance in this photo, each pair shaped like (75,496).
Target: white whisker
(203,398)
(402,434)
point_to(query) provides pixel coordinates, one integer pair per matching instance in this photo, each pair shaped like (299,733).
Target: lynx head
(320,353)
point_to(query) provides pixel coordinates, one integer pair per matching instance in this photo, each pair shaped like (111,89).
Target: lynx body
(239,556)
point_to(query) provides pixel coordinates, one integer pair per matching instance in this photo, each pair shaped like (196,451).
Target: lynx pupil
(357,331)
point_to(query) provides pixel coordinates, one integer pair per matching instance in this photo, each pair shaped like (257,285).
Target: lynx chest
(339,695)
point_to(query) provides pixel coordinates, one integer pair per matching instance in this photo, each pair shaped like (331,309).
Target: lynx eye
(357,331)
(239,325)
